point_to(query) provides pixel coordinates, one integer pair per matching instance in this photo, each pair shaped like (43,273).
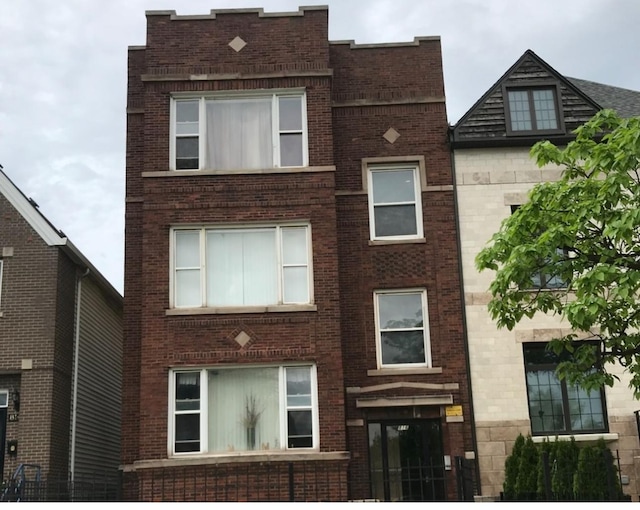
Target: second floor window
(402,336)
(217,267)
(239,132)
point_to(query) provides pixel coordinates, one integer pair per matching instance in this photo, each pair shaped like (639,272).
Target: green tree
(582,231)
(511,467)
(547,448)
(595,471)
(564,468)
(527,480)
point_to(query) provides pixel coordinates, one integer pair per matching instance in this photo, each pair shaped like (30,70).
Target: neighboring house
(293,318)
(514,386)
(61,341)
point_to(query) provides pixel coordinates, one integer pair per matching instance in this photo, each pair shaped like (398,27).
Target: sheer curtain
(241,268)
(232,392)
(239,134)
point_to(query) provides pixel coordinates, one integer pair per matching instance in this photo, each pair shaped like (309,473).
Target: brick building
(494,173)
(293,317)
(61,341)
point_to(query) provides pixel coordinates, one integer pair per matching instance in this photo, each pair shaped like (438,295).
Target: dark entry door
(406,460)
(3,435)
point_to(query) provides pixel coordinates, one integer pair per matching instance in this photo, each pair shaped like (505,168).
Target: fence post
(291,487)
(546,472)
(459,478)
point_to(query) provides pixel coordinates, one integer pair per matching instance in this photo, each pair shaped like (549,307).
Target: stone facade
(489,182)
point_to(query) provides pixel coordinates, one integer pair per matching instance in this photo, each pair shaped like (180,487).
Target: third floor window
(532,110)
(239,132)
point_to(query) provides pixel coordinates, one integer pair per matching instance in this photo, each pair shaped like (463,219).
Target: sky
(63,81)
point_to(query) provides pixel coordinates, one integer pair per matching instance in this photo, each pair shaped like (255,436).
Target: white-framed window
(240,131)
(233,409)
(402,328)
(4,398)
(395,204)
(241,266)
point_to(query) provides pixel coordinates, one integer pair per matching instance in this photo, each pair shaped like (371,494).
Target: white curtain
(242,268)
(231,392)
(239,134)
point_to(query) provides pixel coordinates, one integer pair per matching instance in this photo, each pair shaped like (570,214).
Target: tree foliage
(583,231)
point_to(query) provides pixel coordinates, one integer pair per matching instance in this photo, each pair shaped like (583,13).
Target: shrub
(564,467)
(511,467)
(527,480)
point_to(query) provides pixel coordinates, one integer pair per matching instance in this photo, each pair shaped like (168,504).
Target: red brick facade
(353,96)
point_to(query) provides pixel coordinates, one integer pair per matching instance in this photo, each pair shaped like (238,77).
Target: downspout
(74,391)
(465,337)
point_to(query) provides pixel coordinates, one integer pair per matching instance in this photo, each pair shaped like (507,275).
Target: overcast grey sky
(63,81)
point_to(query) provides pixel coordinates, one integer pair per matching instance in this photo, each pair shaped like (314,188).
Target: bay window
(239,132)
(231,409)
(260,266)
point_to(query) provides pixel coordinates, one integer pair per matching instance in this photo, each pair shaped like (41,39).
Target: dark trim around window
(529,87)
(538,359)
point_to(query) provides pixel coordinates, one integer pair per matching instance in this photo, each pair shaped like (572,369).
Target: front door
(406,460)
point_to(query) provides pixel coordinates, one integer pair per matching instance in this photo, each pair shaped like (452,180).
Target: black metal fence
(99,487)
(266,481)
(466,482)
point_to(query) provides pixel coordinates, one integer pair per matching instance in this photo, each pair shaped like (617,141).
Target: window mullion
(203,268)
(284,425)
(280,264)
(532,110)
(565,406)
(275,129)
(202,133)
(204,411)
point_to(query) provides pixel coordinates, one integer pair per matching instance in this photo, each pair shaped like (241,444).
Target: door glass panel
(375,461)
(406,461)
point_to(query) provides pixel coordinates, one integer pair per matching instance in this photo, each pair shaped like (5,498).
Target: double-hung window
(532,109)
(395,205)
(258,266)
(402,331)
(239,132)
(556,407)
(230,409)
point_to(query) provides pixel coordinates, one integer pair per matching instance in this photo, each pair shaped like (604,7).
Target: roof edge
(416,42)
(259,11)
(49,234)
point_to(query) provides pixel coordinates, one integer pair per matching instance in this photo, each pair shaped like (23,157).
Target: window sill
(237,458)
(580,438)
(286,170)
(383,242)
(404,371)
(241,309)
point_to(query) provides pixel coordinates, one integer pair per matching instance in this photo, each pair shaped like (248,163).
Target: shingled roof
(624,101)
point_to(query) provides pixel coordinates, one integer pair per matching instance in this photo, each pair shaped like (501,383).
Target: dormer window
(532,109)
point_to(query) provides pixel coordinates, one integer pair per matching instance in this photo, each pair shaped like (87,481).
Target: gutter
(76,355)
(474,439)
